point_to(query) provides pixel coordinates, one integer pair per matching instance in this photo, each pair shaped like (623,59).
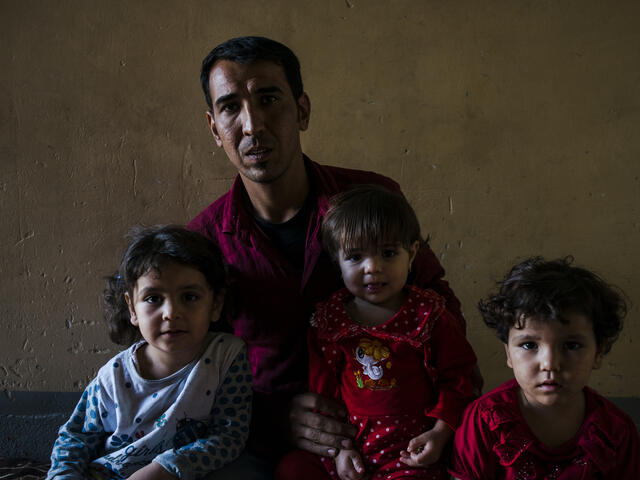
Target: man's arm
(317,417)
(427,273)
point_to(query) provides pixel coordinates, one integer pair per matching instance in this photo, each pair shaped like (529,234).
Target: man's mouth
(257,154)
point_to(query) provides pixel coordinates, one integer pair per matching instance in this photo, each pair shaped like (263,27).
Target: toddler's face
(552,361)
(173,307)
(377,275)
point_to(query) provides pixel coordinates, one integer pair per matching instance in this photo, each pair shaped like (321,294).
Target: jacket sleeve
(450,360)
(227,429)
(80,439)
(427,273)
(324,366)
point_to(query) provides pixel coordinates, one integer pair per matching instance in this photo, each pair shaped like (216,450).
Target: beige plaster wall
(512,127)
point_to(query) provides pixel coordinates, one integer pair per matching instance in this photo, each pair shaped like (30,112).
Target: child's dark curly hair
(550,290)
(150,248)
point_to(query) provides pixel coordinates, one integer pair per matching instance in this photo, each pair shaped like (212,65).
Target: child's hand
(349,465)
(153,471)
(427,447)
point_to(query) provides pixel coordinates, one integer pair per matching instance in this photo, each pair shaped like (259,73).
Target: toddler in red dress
(556,322)
(390,352)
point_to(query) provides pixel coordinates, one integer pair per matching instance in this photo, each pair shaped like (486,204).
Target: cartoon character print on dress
(383,381)
(374,358)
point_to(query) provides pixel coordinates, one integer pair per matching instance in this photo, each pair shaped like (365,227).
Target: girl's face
(377,275)
(173,307)
(552,361)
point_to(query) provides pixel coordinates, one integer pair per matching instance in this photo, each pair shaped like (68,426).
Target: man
(267,226)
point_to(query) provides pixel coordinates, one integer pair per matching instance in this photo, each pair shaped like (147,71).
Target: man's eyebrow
(273,89)
(225,98)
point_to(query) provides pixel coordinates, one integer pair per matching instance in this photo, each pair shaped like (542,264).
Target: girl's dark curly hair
(151,248)
(551,290)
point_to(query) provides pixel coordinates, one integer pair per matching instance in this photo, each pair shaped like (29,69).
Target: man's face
(256,119)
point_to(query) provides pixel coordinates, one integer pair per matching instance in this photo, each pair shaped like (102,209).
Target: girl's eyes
(389,252)
(572,346)
(187,298)
(191,297)
(353,257)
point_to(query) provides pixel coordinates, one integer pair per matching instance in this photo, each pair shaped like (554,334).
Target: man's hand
(427,447)
(153,471)
(315,432)
(349,465)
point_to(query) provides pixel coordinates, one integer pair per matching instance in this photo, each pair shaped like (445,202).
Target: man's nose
(252,119)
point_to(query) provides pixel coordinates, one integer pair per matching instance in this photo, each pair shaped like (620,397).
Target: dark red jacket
(275,302)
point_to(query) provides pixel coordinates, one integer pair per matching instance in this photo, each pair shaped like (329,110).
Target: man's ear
(304,111)
(132,311)
(506,349)
(214,130)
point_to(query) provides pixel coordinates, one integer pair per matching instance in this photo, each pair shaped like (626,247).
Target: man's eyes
(152,299)
(528,345)
(235,107)
(229,108)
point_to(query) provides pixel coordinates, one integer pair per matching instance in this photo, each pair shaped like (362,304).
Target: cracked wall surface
(511,127)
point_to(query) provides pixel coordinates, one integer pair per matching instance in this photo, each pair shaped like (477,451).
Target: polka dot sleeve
(80,439)
(228,427)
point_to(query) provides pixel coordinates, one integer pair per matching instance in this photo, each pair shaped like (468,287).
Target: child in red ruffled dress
(390,352)
(556,321)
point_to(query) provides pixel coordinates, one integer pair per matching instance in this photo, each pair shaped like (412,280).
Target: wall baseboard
(29,421)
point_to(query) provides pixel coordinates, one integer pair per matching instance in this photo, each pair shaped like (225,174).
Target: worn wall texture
(512,127)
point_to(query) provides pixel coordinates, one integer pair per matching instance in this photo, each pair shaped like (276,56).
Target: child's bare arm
(427,447)
(349,465)
(153,471)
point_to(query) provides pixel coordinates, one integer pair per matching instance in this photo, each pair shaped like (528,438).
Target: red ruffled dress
(396,379)
(495,442)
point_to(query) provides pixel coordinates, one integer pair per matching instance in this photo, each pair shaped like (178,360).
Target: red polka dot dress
(396,379)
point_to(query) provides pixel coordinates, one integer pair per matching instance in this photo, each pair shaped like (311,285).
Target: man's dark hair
(247,50)
(551,290)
